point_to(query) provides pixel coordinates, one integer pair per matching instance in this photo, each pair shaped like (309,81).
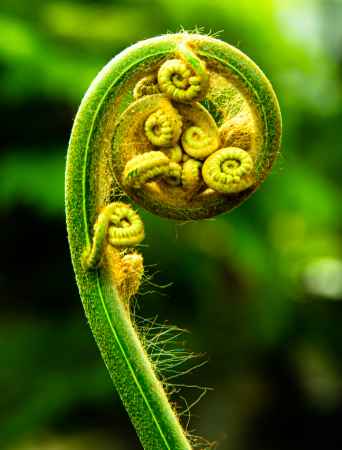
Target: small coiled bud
(185,79)
(146,86)
(191,175)
(126,229)
(201,135)
(176,81)
(198,144)
(163,128)
(145,168)
(117,224)
(229,170)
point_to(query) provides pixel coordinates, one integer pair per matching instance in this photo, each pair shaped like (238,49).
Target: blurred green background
(259,289)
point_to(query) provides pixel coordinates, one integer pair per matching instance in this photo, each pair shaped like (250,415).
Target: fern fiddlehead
(163,128)
(191,174)
(184,79)
(120,226)
(229,170)
(188,127)
(146,167)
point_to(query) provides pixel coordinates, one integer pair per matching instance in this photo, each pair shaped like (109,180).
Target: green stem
(126,360)
(129,366)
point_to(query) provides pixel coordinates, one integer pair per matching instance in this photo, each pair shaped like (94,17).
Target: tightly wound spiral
(163,128)
(118,225)
(229,170)
(191,132)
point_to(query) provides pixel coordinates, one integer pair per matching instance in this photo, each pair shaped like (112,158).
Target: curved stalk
(108,315)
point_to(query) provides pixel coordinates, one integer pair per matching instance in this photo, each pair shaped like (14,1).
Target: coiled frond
(229,170)
(117,225)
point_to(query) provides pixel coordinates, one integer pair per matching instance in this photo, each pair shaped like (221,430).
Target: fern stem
(129,366)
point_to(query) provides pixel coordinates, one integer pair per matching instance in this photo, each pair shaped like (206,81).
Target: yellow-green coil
(185,79)
(118,225)
(145,168)
(163,127)
(175,81)
(126,229)
(191,175)
(229,170)
(198,144)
